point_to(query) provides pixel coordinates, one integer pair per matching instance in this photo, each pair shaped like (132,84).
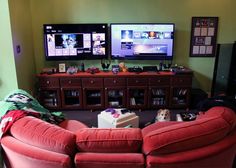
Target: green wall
(21,26)
(8,79)
(17,70)
(179,12)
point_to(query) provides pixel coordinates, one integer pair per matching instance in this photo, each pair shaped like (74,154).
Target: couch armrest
(18,153)
(217,154)
(41,134)
(186,136)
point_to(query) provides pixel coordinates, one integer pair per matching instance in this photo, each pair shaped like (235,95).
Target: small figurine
(122,66)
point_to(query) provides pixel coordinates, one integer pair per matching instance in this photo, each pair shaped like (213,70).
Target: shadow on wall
(198,77)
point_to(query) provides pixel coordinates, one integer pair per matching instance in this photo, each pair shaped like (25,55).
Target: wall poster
(203,36)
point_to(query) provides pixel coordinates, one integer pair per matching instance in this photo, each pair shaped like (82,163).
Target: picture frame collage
(203,36)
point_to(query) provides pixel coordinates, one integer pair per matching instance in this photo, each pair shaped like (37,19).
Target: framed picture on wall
(203,36)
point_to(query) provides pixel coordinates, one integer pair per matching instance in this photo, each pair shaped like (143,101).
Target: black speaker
(224,70)
(197,96)
(231,88)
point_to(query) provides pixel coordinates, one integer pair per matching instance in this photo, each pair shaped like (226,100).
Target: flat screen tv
(75,41)
(142,41)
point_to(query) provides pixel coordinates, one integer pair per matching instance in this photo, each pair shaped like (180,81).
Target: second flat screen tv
(142,41)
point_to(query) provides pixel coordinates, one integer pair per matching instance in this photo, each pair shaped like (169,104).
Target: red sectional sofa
(209,141)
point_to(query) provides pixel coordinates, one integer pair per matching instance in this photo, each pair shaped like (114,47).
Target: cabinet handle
(91,81)
(48,82)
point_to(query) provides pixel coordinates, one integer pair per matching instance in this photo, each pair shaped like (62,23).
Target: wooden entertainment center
(146,90)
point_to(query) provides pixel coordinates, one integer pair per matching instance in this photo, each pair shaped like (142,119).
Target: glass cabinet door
(115,97)
(71,98)
(158,97)
(50,98)
(137,97)
(180,97)
(93,98)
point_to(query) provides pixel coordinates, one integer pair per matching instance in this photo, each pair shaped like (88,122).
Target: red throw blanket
(8,119)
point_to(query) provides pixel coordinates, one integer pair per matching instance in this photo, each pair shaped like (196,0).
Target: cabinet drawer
(67,82)
(49,82)
(92,82)
(137,82)
(159,81)
(182,81)
(111,82)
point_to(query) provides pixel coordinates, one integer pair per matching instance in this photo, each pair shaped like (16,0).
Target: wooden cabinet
(159,92)
(48,82)
(93,95)
(49,92)
(180,91)
(71,93)
(137,93)
(115,92)
(103,90)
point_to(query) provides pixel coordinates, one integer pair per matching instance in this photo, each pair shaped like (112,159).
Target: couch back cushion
(39,133)
(226,113)
(116,140)
(205,130)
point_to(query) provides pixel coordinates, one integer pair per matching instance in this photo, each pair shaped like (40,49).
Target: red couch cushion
(226,113)
(109,140)
(109,160)
(158,125)
(218,155)
(189,135)
(39,133)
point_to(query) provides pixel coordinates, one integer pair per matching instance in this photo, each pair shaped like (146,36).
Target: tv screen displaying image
(75,41)
(149,41)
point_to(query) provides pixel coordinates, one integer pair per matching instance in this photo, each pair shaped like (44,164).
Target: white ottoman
(117,120)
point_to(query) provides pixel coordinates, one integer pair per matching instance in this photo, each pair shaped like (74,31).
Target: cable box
(150,69)
(135,69)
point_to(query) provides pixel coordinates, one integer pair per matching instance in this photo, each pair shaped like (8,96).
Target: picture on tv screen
(142,41)
(75,41)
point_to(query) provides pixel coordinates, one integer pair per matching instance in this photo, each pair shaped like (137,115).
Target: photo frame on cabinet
(203,36)
(62,67)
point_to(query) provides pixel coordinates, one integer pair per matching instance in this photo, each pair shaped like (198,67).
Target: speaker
(231,89)
(197,96)
(224,77)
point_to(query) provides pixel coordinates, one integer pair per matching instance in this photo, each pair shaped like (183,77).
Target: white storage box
(117,120)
